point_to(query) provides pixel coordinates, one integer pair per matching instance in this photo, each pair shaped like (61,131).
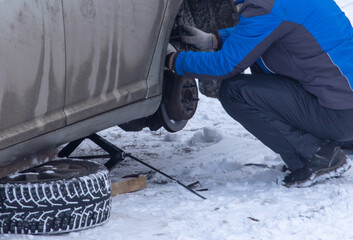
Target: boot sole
(322,175)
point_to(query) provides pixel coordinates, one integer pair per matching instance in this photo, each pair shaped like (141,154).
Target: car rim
(50,171)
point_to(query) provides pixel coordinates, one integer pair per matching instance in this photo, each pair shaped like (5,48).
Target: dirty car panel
(32,69)
(72,68)
(109,47)
(69,68)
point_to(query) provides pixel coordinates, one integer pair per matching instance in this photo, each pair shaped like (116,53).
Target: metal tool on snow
(115,155)
(284,168)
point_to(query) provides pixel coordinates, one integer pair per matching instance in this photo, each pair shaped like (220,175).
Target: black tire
(64,196)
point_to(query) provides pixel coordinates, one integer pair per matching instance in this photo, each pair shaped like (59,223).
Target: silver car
(70,68)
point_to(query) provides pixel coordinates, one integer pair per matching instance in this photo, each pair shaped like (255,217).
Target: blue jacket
(308,40)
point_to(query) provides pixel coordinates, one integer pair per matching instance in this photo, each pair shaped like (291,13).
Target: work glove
(171,52)
(199,39)
(170,49)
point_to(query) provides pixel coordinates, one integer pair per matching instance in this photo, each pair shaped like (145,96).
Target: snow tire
(52,206)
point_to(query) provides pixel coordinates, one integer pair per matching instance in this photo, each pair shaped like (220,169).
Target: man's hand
(199,39)
(170,56)
(170,49)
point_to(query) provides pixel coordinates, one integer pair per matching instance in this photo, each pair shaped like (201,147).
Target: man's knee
(230,91)
(343,136)
(224,91)
(232,99)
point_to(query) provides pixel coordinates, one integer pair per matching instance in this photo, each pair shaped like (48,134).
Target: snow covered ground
(242,202)
(347,6)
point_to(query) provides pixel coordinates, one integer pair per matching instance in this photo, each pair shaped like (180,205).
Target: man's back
(316,47)
(310,41)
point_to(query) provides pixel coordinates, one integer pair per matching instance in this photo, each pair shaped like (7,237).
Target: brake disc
(182,99)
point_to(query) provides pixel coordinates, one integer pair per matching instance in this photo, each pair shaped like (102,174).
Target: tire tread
(55,207)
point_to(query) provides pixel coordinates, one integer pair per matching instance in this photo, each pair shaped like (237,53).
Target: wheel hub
(182,99)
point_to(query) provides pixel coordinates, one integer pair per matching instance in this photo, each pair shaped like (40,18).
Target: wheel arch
(207,15)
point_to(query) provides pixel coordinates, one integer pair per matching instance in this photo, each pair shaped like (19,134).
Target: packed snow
(243,202)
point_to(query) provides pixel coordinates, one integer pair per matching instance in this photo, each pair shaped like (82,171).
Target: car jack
(115,155)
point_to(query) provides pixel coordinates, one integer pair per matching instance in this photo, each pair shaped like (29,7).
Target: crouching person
(299,99)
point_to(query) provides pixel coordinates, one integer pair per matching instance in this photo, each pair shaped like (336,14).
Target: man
(299,99)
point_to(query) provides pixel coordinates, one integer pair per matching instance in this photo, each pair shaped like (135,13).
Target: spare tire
(56,197)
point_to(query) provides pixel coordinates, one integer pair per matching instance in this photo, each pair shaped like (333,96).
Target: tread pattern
(56,206)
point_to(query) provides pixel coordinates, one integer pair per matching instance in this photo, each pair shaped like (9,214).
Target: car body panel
(95,99)
(32,69)
(69,69)
(82,129)
(155,76)
(109,46)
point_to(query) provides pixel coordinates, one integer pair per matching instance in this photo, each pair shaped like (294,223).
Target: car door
(109,46)
(32,69)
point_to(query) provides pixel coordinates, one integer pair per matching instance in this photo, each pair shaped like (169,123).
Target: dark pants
(285,117)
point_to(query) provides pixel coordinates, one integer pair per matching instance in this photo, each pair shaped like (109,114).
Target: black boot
(329,161)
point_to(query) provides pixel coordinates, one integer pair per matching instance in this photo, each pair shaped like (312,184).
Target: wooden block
(129,185)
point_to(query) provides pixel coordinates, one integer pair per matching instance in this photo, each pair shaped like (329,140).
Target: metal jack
(115,155)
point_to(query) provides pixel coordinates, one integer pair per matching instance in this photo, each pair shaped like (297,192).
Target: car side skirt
(83,128)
